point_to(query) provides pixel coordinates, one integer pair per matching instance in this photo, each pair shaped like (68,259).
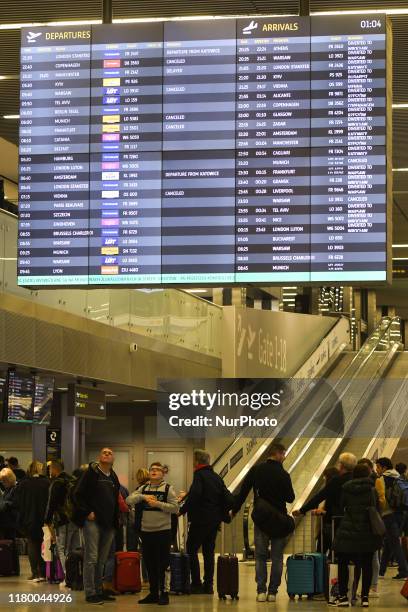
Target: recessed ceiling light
(62,388)
(11,116)
(141,400)
(400,169)
(196,290)
(404,105)
(111,395)
(400,246)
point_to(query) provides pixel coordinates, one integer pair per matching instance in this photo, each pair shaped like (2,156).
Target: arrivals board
(218,151)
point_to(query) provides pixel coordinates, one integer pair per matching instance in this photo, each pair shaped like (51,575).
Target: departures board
(218,151)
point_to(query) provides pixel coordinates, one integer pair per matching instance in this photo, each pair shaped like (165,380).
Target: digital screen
(217,151)
(20,397)
(3,395)
(43,398)
(87,402)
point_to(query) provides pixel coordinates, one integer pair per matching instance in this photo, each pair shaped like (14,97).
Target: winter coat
(205,503)
(31,499)
(354,534)
(8,514)
(98,493)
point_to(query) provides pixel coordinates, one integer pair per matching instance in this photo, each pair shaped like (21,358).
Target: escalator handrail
(381,333)
(344,377)
(241,434)
(363,399)
(381,330)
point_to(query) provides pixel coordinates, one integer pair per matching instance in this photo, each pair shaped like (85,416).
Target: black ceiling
(28,11)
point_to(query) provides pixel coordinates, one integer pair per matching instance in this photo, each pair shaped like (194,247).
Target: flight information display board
(217,151)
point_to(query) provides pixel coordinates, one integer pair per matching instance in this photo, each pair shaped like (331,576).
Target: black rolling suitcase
(9,562)
(74,567)
(180,583)
(228,572)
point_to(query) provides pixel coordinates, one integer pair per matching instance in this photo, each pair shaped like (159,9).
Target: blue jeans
(98,541)
(261,556)
(392,545)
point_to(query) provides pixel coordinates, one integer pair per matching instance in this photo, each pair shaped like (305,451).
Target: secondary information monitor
(218,151)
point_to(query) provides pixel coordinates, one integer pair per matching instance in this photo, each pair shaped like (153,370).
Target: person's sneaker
(40,579)
(271,597)
(149,599)
(261,597)
(108,588)
(196,589)
(107,596)
(343,602)
(32,577)
(399,577)
(94,599)
(164,599)
(364,602)
(63,586)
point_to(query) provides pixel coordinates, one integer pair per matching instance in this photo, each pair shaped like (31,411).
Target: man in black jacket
(206,505)
(97,511)
(58,516)
(270,482)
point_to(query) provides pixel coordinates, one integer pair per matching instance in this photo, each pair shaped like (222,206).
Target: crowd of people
(362,506)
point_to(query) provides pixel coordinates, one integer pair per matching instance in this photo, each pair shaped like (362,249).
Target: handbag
(374,517)
(270,520)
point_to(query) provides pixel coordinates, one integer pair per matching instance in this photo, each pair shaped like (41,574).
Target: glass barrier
(168,315)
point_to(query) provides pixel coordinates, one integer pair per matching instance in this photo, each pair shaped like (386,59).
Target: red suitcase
(127,572)
(404,590)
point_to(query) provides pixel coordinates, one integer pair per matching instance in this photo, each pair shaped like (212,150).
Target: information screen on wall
(218,151)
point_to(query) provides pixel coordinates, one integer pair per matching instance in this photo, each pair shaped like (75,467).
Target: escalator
(352,400)
(245,451)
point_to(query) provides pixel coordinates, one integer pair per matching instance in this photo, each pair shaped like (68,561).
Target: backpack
(68,506)
(396,494)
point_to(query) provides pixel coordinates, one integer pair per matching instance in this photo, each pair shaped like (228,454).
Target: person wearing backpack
(207,504)
(393,514)
(59,511)
(155,502)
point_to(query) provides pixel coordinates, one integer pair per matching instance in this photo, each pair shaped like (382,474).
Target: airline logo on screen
(252,28)
(33,37)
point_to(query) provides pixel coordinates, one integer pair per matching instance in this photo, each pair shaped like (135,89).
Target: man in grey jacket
(158,502)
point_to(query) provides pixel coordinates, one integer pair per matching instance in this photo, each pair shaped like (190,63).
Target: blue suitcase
(179,573)
(307,572)
(301,575)
(320,572)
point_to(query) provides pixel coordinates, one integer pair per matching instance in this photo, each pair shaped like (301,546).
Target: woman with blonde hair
(142,476)
(31,499)
(8,508)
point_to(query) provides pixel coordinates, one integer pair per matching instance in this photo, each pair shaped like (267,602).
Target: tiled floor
(390,598)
